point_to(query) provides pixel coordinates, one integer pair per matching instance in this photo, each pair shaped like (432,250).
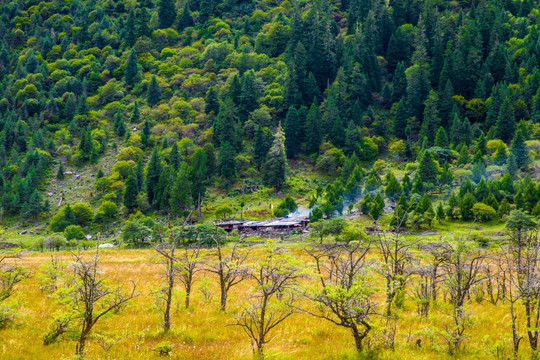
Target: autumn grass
(203,332)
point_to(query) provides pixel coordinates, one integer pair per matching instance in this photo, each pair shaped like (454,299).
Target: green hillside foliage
(194,97)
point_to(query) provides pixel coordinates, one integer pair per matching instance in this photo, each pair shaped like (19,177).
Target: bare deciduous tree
(89,297)
(422,291)
(461,269)
(229,267)
(345,293)
(187,264)
(524,263)
(164,296)
(397,263)
(274,275)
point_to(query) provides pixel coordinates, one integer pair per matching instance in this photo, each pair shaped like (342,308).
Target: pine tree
(145,137)
(292,133)
(431,118)
(198,176)
(337,132)
(376,210)
(393,187)
(166,13)
(440,213)
(400,83)
(465,206)
(441,139)
(511,165)
(313,129)
(153,173)
(225,127)
(247,101)
(226,163)
(519,149)
(130,194)
(400,120)
(427,169)
(353,139)
(263,142)
(505,126)
(70,107)
(139,176)
(500,155)
(179,199)
(86,145)
(131,30)
(119,125)
(174,157)
(211,163)
(185,20)
(206,9)
(464,157)
(211,102)
(153,95)
(135,115)
(535,108)
(60,173)
(276,162)
(132,68)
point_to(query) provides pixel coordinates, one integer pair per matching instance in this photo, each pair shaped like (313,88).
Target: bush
(107,211)
(74,232)
(83,213)
(287,206)
(56,241)
(164,349)
(7,316)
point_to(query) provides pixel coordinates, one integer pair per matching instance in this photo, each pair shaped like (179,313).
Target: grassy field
(203,332)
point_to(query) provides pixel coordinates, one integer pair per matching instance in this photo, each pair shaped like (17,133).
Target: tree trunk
(357,339)
(223,300)
(188,294)
(79,350)
(167,313)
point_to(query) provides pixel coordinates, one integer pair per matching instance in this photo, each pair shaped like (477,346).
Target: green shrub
(74,232)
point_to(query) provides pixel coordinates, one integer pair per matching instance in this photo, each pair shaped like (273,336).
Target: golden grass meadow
(204,332)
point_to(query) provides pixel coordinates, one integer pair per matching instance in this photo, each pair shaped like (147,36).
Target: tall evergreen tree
(131,192)
(211,102)
(506,124)
(292,133)
(185,19)
(313,129)
(198,177)
(427,169)
(263,142)
(276,162)
(132,68)
(153,174)
(431,118)
(179,199)
(119,125)
(131,30)
(519,149)
(153,96)
(226,163)
(166,13)
(441,139)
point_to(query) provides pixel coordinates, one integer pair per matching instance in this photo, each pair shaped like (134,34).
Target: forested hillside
(166,107)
